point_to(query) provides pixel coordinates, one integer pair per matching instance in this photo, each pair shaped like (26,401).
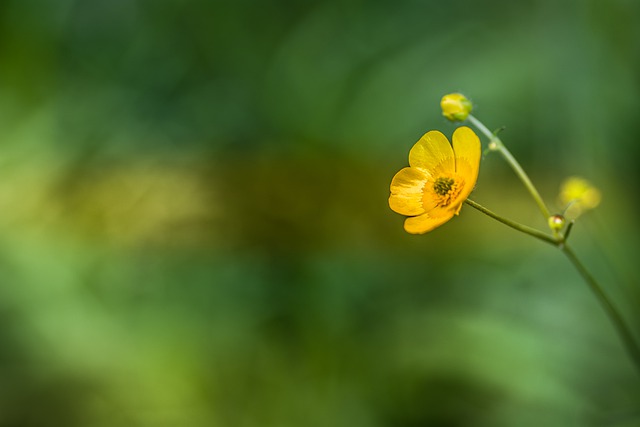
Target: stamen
(444,190)
(442,185)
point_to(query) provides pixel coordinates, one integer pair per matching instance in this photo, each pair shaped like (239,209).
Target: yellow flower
(438,180)
(578,195)
(455,107)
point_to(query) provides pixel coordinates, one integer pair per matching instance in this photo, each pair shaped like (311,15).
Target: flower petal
(470,179)
(425,222)
(467,149)
(406,191)
(466,146)
(432,153)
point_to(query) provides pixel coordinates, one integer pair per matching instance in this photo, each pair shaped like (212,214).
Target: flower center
(446,189)
(443,185)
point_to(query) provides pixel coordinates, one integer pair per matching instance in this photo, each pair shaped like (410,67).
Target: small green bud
(455,107)
(556,222)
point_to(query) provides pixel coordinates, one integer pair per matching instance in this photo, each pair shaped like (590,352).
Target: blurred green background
(194,228)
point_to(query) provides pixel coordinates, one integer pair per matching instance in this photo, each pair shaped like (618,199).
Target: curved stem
(497,145)
(560,242)
(612,312)
(515,225)
(482,128)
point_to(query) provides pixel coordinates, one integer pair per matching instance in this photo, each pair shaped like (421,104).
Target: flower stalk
(495,144)
(559,241)
(515,225)
(615,316)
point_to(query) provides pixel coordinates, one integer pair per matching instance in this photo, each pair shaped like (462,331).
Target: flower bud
(578,195)
(556,222)
(455,107)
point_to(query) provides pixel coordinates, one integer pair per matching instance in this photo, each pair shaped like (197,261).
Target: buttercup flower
(455,107)
(439,178)
(578,195)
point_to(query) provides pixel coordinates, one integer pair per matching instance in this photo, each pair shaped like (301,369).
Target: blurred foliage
(194,226)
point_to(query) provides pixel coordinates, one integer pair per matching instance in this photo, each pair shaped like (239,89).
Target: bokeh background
(194,228)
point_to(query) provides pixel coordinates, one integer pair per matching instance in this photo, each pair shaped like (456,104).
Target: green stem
(612,312)
(497,145)
(515,225)
(560,242)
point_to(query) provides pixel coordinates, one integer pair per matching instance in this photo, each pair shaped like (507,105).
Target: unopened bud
(455,107)
(556,222)
(578,195)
